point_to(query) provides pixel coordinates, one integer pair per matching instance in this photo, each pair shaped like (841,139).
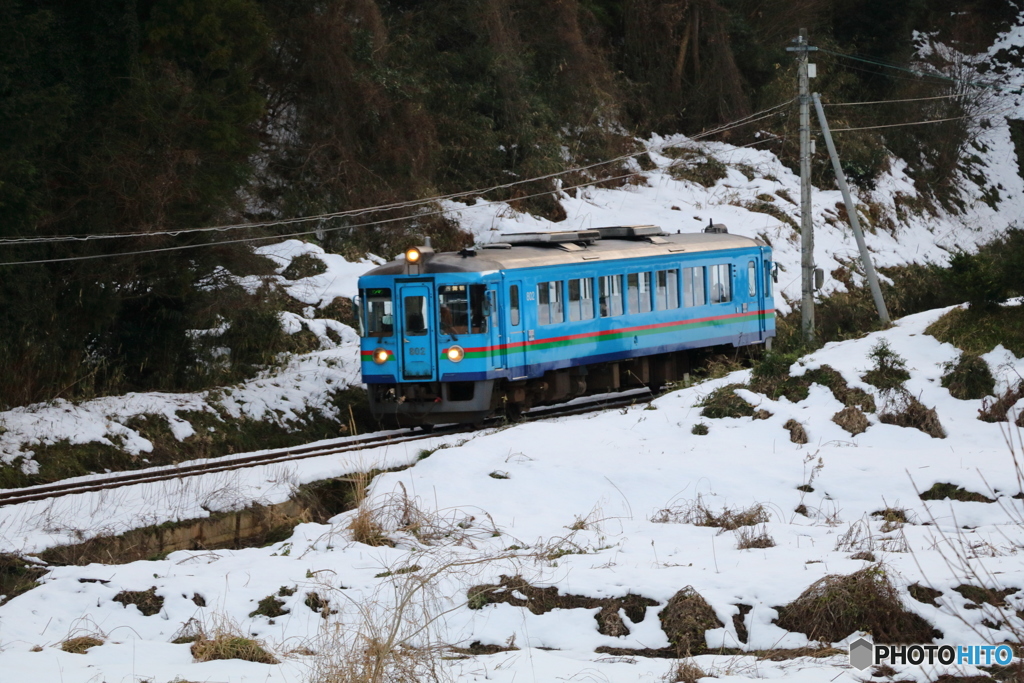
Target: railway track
(224,464)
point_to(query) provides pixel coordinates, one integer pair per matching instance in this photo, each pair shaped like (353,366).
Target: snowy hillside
(562,549)
(594,506)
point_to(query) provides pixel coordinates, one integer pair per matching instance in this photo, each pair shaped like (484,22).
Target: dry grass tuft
(400,514)
(80,645)
(852,419)
(835,606)
(903,410)
(685,671)
(998,410)
(748,537)
(797,433)
(696,512)
(685,619)
(226,644)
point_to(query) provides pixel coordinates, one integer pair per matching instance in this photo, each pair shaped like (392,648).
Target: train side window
(478,309)
(379,316)
(751,279)
(721,283)
(638,288)
(415,315)
(610,295)
(667,292)
(513,304)
(454,307)
(581,299)
(767,278)
(693,287)
(549,303)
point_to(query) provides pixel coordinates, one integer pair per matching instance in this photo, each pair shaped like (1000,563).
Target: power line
(924,74)
(752,118)
(181,247)
(921,123)
(912,99)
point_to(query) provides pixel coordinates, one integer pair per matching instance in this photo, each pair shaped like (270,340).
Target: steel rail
(192,469)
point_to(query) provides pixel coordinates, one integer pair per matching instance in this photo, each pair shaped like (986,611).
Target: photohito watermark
(864,653)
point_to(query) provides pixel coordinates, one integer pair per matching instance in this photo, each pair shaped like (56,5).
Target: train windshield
(463,309)
(379,316)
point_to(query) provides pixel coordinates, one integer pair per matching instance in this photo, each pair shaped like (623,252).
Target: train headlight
(455,353)
(380,356)
(413,255)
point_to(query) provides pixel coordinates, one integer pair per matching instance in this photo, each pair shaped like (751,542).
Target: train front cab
(430,347)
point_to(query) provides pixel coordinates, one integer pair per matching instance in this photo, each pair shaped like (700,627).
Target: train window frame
(513,305)
(767,265)
(613,294)
(550,303)
(720,283)
(751,279)
(694,284)
(582,306)
(386,318)
(670,299)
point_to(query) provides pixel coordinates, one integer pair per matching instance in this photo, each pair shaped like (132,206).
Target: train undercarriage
(430,403)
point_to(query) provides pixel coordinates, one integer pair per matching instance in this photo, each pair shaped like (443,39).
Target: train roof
(590,247)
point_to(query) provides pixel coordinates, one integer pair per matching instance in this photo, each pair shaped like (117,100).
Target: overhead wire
(747,120)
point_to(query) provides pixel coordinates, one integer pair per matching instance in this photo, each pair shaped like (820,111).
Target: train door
(763,282)
(515,330)
(417,343)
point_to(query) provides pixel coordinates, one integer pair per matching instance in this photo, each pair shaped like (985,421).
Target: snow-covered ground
(565,503)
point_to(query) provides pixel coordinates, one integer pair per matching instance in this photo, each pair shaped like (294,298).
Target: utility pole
(806,226)
(851,210)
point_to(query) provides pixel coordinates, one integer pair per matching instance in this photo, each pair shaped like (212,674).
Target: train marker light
(412,255)
(455,353)
(380,356)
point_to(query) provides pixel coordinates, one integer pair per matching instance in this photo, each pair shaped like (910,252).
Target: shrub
(968,378)
(770,376)
(697,168)
(303,266)
(835,606)
(978,278)
(685,619)
(852,420)
(890,369)
(906,411)
(980,333)
(700,429)
(723,402)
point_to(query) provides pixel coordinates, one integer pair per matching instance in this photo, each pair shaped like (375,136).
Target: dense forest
(142,117)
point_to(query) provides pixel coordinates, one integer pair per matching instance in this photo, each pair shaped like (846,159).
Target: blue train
(545,317)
